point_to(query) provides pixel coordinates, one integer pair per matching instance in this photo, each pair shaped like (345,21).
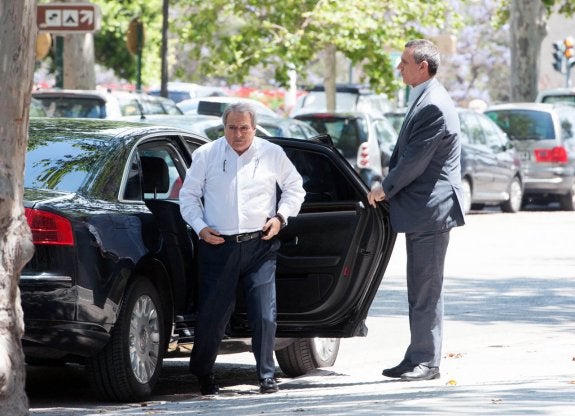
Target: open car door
(333,254)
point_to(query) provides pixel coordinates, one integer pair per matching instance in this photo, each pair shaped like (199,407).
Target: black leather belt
(240,238)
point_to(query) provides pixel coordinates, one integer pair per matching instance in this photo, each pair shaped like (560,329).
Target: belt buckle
(239,238)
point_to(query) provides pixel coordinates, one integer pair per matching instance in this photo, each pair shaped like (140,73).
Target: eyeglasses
(242,129)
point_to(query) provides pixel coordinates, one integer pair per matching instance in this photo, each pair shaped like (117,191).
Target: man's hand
(271,228)
(211,236)
(375,195)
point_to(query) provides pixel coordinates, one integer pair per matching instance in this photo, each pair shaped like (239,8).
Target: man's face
(239,131)
(412,73)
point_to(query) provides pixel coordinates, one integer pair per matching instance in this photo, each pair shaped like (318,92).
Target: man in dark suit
(423,188)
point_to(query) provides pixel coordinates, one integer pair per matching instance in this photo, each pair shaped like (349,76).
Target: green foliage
(110,41)
(564,7)
(230,37)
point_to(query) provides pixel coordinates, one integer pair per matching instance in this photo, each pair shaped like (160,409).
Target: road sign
(68,17)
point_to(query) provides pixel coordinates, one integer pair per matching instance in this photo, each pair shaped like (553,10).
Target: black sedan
(113,281)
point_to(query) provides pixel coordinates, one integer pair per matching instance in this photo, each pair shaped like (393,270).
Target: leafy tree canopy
(229,37)
(110,41)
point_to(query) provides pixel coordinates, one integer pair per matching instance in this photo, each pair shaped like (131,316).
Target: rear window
(59,165)
(559,99)
(75,107)
(524,124)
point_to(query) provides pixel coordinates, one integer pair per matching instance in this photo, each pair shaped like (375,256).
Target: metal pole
(59,62)
(139,60)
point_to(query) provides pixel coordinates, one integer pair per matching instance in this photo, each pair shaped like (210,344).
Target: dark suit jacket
(424,181)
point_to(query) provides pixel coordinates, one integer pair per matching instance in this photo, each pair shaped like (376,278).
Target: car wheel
(307,354)
(129,366)
(567,201)
(513,204)
(466,188)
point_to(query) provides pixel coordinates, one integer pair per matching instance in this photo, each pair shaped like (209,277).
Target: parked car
(179,91)
(113,281)
(211,126)
(349,98)
(544,135)
(490,166)
(37,109)
(219,103)
(559,95)
(365,139)
(207,126)
(102,104)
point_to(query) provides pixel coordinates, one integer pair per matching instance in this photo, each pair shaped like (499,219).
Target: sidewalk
(509,339)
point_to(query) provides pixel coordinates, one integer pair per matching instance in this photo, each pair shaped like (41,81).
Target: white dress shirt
(239,191)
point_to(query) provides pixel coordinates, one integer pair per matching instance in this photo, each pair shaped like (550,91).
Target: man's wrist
(281,219)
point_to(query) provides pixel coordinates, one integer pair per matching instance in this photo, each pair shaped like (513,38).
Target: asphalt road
(509,343)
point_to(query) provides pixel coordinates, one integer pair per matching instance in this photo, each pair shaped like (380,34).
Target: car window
(472,127)
(321,180)
(524,124)
(568,98)
(67,173)
(567,120)
(152,106)
(129,106)
(161,178)
(346,133)
(76,107)
(494,137)
(385,133)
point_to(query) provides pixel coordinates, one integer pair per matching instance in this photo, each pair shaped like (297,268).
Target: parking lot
(509,341)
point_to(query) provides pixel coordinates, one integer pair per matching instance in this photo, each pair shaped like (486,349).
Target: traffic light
(558,56)
(568,51)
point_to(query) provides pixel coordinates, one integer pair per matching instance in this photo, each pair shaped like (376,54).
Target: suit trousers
(222,267)
(425,263)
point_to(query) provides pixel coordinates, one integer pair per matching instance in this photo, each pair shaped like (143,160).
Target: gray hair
(425,50)
(240,107)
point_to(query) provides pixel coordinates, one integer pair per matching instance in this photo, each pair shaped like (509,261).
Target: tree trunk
(528,29)
(18,33)
(79,66)
(330,77)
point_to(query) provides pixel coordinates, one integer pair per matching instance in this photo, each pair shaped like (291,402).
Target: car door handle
(291,243)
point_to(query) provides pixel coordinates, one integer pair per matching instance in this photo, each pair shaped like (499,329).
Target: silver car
(544,136)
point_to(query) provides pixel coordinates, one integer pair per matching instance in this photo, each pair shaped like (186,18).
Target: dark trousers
(425,264)
(222,267)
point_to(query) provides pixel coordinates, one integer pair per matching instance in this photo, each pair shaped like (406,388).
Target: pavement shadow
(514,299)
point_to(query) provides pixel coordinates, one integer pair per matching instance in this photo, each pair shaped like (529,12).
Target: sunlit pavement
(509,344)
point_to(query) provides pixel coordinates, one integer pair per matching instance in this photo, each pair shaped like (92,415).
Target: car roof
(97,129)
(526,106)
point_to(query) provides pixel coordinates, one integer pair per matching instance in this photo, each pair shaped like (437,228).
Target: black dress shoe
(208,385)
(268,385)
(421,372)
(398,370)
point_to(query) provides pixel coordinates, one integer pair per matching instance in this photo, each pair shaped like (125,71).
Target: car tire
(466,190)
(128,368)
(515,201)
(307,354)
(567,201)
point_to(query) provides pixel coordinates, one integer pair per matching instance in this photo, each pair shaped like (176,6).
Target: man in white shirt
(237,220)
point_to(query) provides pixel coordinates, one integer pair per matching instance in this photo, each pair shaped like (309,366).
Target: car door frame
(340,278)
